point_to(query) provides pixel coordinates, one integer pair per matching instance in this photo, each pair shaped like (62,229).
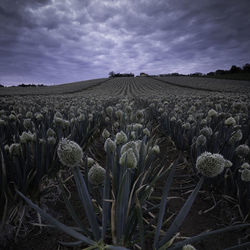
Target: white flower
(210,165)
(96,174)
(69,153)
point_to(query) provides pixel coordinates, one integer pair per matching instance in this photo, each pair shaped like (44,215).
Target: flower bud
(96,174)
(69,152)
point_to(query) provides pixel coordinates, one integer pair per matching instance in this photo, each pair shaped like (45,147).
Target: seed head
(201,140)
(210,165)
(27,137)
(236,137)
(212,113)
(105,134)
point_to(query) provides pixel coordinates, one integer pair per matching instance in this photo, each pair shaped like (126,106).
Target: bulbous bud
(51,140)
(121,138)
(212,113)
(206,131)
(245,175)
(15,149)
(109,146)
(130,157)
(69,152)
(201,140)
(96,174)
(236,137)
(156,149)
(210,165)
(27,137)
(242,150)
(188,247)
(230,121)
(105,134)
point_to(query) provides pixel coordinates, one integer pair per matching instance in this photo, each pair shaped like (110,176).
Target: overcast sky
(59,41)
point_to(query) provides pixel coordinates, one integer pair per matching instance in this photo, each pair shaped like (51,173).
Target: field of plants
(126,163)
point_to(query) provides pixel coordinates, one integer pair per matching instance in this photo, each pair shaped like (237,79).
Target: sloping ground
(52,90)
(209,83)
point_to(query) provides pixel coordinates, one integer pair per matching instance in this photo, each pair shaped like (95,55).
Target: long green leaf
(207,234)
(86,202)
(182,214)
(163,204)
(57,223)
(72,210)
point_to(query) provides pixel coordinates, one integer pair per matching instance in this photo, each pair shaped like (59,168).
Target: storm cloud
(58,41)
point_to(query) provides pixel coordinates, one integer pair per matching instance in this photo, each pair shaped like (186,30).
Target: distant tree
(220,72)
(111,74)
(211,74)
(235,69)
(246,67)
(1,86)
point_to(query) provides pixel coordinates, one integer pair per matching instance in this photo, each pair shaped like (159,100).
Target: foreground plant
(123,214)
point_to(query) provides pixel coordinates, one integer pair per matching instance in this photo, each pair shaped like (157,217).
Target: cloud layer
(58,41)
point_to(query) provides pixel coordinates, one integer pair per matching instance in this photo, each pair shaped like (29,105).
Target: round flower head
(119,113)
(51,140)
(109,110)
(27,123)
(186,125)
(137,126)
(129,157)
(96,174)
(121,138)
(29,114)
(90,161)
(105,134)
(230,121)
(212,113)
(156,149)
(15,149)
(128,145)
(206,131)
(188,247)
(242,150)
(245,175)
(201,140)
(69,152)
(245,166)
(27,137)
(210,165)
(51,132)
(228,164)
(109,145)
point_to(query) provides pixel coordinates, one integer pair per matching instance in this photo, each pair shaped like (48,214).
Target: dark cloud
(57,41)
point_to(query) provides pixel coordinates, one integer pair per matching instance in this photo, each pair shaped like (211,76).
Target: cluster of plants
(42,138)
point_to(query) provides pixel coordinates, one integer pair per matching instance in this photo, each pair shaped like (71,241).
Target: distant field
(52,90)
(135,87)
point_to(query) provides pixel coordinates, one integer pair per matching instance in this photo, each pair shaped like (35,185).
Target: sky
(60,41)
